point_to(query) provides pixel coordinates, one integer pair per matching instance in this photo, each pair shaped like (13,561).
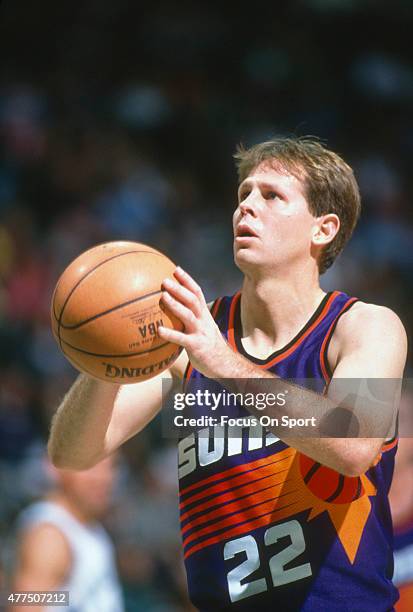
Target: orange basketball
(106,310)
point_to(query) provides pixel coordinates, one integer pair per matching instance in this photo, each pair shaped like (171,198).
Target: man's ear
(325,229)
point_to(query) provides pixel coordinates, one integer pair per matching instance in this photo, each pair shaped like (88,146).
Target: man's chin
(245,259)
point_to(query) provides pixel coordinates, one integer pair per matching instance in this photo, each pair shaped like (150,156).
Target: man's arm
(43,562)
(96,417)
(370,343)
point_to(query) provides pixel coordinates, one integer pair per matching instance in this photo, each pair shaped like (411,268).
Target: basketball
(106,311)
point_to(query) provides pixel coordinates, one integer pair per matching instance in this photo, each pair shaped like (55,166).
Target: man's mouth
(244,231)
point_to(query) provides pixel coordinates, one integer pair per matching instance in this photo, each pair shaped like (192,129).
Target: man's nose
(249,205)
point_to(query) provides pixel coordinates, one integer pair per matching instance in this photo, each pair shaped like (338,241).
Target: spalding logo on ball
(106,310)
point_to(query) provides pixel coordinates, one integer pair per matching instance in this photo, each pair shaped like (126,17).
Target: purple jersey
(265,527)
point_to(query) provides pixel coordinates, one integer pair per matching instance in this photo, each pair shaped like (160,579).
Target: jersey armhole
(325,366)
(327,372)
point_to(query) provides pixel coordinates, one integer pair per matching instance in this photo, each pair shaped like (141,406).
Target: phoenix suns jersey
(265,527)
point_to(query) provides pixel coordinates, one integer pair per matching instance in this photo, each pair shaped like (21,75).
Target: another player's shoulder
(42,533)
(367,321)
(37,538)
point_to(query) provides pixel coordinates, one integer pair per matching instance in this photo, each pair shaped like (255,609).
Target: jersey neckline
(283,352)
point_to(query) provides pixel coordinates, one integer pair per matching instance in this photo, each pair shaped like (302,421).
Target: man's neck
(274,310)
(70,506)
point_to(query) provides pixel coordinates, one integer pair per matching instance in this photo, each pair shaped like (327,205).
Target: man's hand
(201,338)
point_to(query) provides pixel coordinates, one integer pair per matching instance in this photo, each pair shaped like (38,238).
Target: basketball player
(63,546)
(270,522)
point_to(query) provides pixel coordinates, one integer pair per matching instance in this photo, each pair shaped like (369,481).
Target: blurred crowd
(118,121)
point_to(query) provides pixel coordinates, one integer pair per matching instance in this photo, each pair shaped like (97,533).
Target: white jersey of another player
(93,582)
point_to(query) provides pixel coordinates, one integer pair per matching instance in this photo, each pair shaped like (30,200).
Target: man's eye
(271,195)
(243,195)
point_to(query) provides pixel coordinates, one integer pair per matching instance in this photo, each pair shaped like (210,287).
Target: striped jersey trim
(291,347)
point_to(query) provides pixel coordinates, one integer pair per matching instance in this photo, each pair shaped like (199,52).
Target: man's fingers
(187,281)
(172,335)
(183,295)
(184,314)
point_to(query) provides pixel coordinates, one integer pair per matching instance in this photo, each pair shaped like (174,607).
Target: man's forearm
(79,427)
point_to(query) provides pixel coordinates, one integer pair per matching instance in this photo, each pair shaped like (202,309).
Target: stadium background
(119,120)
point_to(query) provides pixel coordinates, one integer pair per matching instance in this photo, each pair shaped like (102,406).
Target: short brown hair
(329,183)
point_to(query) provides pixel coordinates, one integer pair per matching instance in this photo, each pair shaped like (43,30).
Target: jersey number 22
(279,575)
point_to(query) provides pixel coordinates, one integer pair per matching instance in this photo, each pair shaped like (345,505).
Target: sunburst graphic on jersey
(268,490)
(346,499)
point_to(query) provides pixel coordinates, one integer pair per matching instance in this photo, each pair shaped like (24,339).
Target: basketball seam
(83,278)
(105,312)
(70,359)
(75,348)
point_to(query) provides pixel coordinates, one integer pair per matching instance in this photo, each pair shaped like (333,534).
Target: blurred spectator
(62,545)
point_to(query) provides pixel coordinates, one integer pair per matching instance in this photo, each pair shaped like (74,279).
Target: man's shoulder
(367,328)
(364,318)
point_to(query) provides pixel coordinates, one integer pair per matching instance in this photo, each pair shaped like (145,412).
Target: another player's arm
(370,343)
(96,417)
(43,563)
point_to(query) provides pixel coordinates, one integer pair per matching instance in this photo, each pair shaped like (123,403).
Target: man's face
(272,224)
